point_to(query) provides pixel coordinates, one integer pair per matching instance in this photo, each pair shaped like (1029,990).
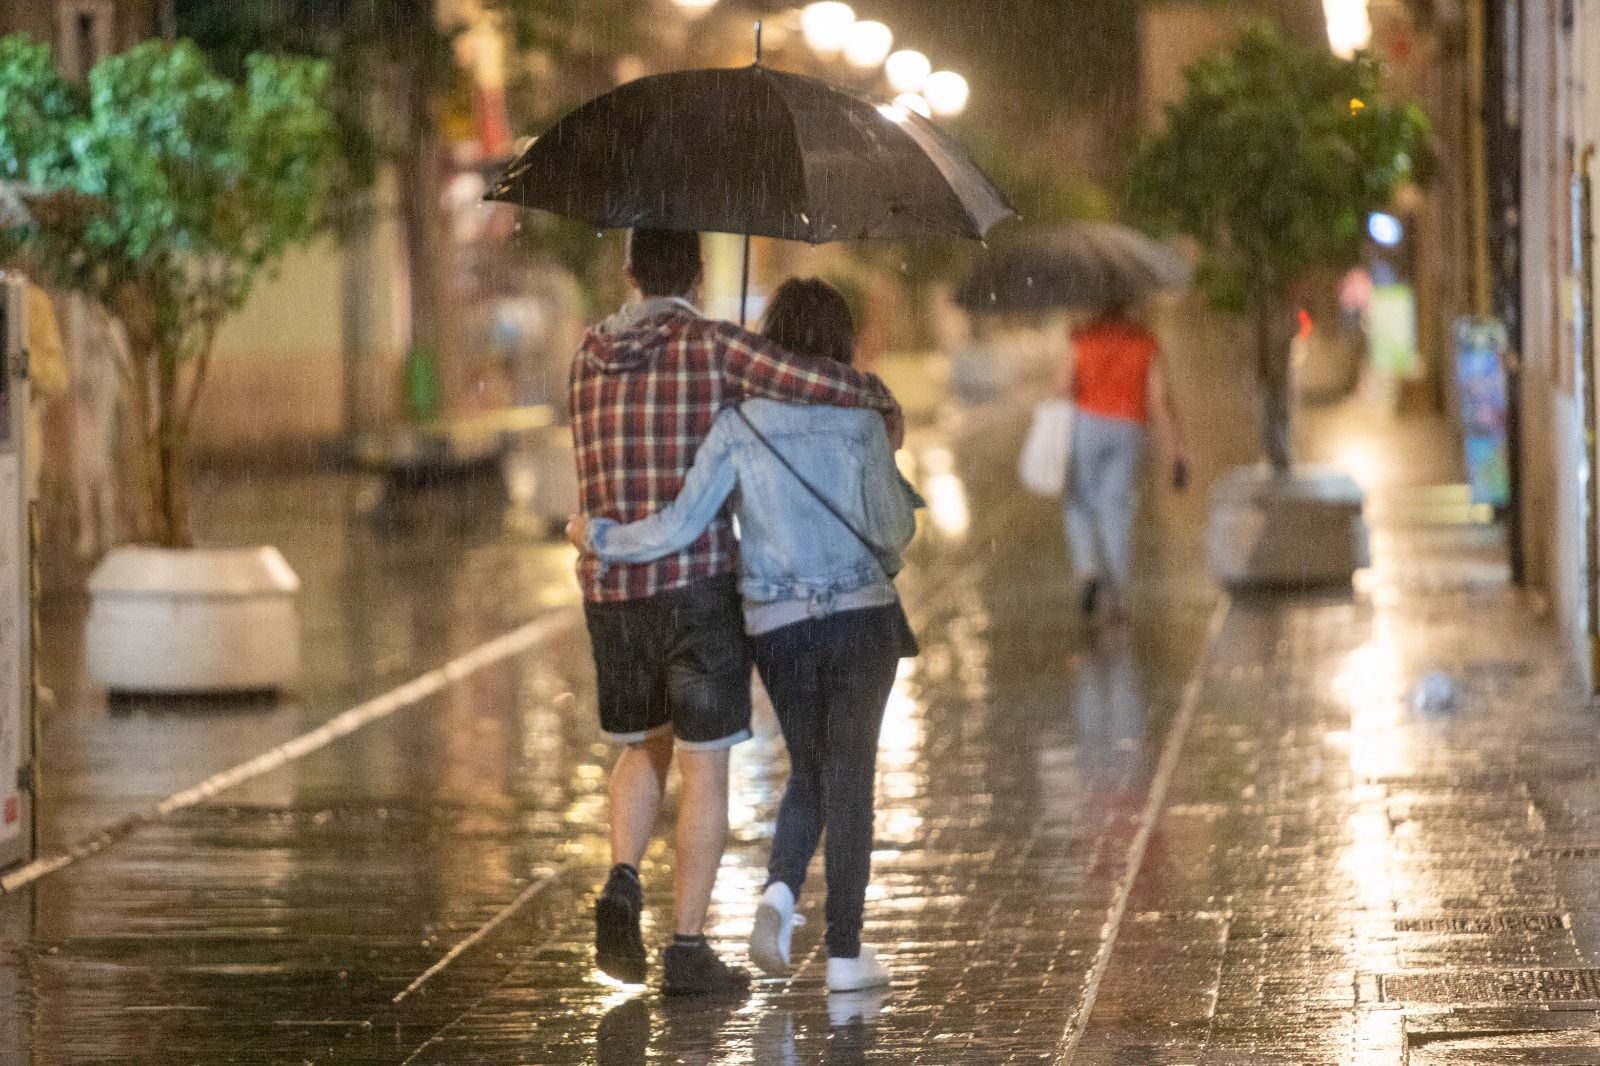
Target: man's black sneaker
(695,970)
(618,943)
(1088,596)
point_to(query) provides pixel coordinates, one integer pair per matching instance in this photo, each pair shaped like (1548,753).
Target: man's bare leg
(702,835)
(638,780)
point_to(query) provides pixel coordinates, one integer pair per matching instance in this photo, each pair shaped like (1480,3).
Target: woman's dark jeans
(829,679)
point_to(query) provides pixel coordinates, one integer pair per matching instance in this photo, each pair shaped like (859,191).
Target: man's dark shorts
(678,660)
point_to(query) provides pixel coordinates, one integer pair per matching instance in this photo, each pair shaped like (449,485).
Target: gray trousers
(1103,496)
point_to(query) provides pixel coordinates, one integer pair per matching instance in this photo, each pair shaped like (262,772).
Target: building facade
(83,31)
(1552,92)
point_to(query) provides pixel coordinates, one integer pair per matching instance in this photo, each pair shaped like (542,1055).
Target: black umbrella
(1080,264)
(753,151)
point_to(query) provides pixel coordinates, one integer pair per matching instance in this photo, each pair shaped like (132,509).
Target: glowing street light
(1349,26)
(946,93)
(1385,229)
(695,8)
(907,70)
(914,102)
(868,45)
(826,25)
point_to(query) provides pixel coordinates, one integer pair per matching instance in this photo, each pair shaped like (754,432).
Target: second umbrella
(1080,264)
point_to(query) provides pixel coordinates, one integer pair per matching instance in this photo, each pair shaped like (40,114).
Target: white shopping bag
(1042,466)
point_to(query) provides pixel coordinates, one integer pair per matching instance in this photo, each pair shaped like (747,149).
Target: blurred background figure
(1112,372)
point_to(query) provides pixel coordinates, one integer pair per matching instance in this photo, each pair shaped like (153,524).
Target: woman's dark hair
(810,317)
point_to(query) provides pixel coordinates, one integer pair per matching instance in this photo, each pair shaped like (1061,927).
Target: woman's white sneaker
(773,929)
(863,971)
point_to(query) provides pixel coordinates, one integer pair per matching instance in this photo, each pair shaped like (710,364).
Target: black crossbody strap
(877,552)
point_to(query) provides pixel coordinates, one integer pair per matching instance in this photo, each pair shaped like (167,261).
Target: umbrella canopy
(1081,264)
(753,151)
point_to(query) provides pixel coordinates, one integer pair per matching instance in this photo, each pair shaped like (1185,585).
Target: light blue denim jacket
(790,546)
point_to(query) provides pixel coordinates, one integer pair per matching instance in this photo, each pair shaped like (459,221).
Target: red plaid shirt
(644,395)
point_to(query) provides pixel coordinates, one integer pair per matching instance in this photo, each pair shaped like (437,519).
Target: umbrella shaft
(744,280)
(744,284)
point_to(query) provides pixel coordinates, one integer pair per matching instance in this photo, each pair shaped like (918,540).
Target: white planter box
(1303,530)
(193,620)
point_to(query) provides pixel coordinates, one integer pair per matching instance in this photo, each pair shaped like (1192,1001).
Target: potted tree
(1272,160)
(187,187)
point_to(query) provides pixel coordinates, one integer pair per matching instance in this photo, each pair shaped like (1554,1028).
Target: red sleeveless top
(1112,373)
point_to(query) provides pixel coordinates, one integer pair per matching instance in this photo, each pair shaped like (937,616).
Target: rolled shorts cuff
(639,737)
(715,745)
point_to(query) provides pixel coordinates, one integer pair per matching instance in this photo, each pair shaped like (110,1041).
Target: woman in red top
(1114,376)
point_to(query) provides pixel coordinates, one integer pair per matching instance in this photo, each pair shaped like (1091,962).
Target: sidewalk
(279,921)
(1333,877)
(1347,872)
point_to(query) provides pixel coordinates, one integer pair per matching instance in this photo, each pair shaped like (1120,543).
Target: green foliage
(199,182)
(1272,161)
(190,186)
(36,105)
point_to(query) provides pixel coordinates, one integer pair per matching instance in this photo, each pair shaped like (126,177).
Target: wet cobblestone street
(1351,871)
(1338,874)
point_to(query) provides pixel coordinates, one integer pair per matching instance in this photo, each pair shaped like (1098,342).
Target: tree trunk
(356,325)
(430,258)
(143,388)
(145,491)
(1273,383)
(173,506)
(172,495)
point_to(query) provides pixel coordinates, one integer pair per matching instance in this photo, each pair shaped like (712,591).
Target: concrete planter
(1303,530)
(191,621)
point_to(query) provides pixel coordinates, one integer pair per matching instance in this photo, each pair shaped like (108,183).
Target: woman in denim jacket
(820,606)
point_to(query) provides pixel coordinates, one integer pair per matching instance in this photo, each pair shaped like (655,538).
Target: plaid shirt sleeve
(755,367)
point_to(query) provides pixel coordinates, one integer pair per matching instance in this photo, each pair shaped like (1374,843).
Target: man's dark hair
(664,263)
(810,317)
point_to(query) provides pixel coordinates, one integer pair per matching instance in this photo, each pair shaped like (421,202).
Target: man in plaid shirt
(668,636)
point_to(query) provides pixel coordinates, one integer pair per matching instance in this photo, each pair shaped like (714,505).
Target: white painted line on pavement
(539,884)
(1155,801)
(416,690)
